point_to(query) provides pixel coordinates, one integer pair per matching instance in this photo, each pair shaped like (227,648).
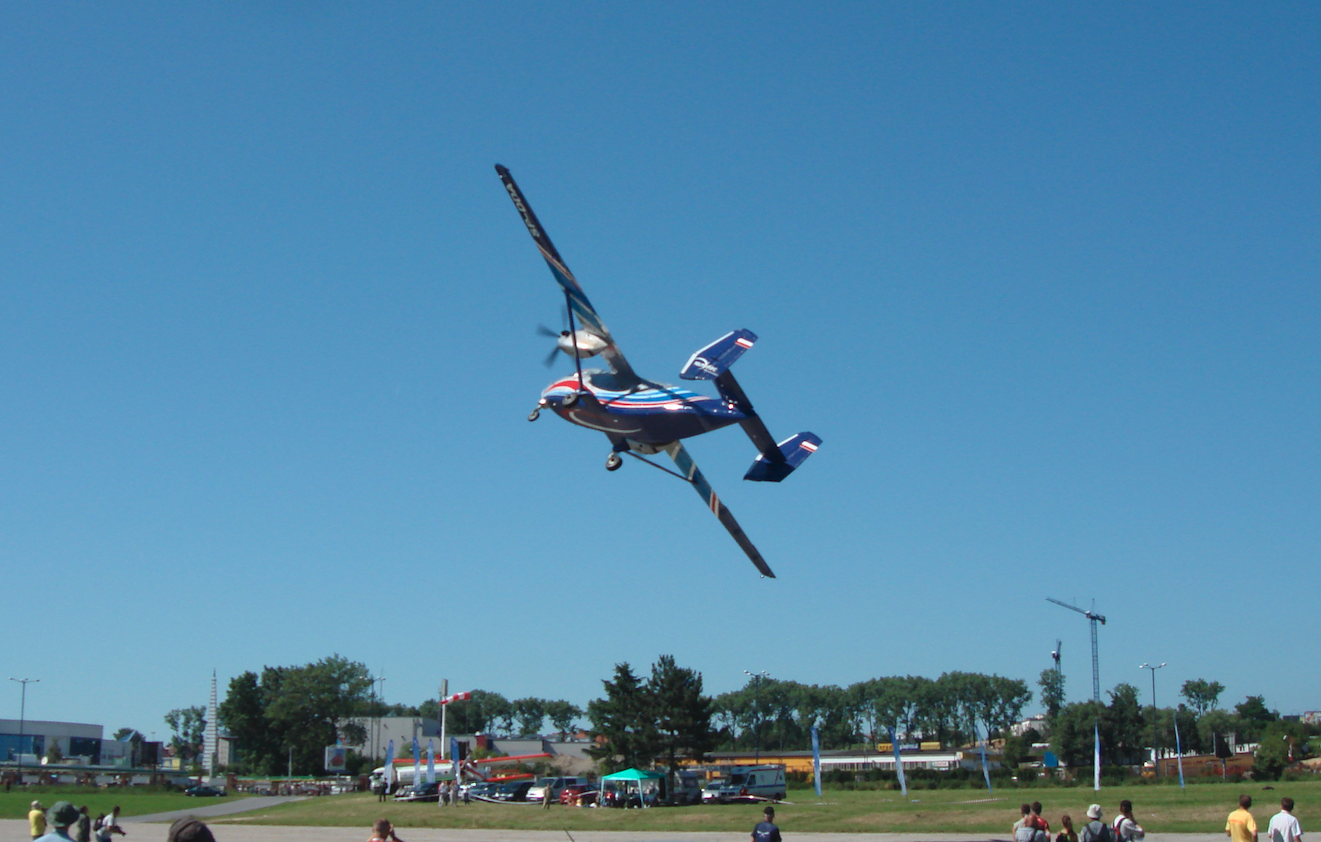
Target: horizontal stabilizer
(716,358)
(780,463)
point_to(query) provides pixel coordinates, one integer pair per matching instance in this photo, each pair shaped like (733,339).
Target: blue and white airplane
(642,417)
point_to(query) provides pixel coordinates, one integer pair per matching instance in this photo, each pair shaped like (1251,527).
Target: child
(1067,833)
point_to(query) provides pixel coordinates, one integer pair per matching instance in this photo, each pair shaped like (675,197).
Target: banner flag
(816,760)
(389,765)
(1178,749)
(1096,757)
(431,762)
(417,766)
(898,764)
(454,758)
(986,772)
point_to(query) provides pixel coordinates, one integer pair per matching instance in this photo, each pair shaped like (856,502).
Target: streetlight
(1155,732)
(22,715)
(756,704)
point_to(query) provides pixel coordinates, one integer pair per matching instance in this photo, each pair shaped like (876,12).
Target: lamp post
(22,716)
(1155,712)
(756,704)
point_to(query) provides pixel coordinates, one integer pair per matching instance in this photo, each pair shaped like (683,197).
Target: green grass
(1199,808)
(133,801)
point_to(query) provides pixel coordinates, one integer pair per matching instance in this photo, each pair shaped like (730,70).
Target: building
(853,760)
(72,740)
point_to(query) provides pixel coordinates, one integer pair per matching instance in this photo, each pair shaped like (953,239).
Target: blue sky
(1042,276)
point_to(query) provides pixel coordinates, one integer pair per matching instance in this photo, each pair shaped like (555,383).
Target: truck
(759,782)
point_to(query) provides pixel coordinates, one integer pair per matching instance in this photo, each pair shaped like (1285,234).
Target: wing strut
(688,469)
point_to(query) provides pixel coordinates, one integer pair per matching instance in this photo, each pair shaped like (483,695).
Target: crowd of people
(1240,827)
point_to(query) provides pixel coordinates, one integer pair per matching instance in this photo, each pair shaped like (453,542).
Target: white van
(552,787)
(754,782)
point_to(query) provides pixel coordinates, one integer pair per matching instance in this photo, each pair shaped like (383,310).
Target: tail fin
(780,463)
(716,358)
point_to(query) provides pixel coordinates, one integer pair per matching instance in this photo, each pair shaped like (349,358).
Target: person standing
(110,826)
(1096,830)
(1067,833)
(82,829)
(1038,820)
(62,814)
(37,820)
(1284,825)
(1024,811)
(766,831)
(1126,827)
(1241,826)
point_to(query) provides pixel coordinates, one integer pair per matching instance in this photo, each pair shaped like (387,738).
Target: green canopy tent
(638,781)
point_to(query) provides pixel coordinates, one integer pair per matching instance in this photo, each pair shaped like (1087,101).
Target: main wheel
(569,399)
(613,462)
(534,415)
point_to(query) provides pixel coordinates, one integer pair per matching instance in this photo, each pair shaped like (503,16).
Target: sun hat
(1094,812)
(63,814)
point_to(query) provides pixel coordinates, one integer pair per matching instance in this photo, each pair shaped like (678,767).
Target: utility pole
(1094,618)
(756,705)
(1155,712)
(22,716)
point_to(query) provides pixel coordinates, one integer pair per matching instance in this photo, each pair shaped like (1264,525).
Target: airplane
(643,417)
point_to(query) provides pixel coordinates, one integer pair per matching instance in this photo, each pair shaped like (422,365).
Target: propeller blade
(542,330)
(550,359)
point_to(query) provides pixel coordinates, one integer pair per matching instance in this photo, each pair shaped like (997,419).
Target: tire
(613,462)
(534,415)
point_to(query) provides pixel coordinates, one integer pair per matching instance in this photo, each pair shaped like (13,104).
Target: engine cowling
(581,342)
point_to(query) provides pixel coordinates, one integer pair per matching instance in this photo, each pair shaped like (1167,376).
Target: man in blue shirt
(766,831)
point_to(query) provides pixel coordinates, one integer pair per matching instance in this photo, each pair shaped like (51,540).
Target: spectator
(1039,821)
(1067,833)
(109,826)
(62,814)
(1024,812)
(189,830)
(1284,827)
(83,827)
(1126,827)
(1096,830)
(766,831)
(383,831)
(37,820)
(1241,826)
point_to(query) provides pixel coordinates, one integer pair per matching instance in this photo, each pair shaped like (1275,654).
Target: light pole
(1155,712)
(756,704)
(22,715)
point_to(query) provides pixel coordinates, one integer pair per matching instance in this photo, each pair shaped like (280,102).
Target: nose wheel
(534,414)
(613,462)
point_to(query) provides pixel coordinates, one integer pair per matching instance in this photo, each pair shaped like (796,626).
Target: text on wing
(522,211)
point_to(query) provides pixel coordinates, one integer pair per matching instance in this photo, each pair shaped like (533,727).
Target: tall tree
(530,712)
(1253,717)
(1052,692)
(623,721)
(189,726)
(562,714)
(682,714)
(1202,694)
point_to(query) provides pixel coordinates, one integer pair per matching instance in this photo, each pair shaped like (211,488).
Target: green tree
(481,713)
(1215,724)
(1072,737)
(1282,744)
(624,720)
(1253,717)
(189,726)
(682,713)
(1122,725)
(530,713)
(1202,694)
(562,714)
(1052,692)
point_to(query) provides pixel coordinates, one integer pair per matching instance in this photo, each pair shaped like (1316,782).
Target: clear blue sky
(1044,278)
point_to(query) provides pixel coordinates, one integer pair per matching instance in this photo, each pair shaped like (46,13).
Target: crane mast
(1093,618)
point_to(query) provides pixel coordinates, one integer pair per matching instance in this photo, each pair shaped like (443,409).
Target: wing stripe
(689,469)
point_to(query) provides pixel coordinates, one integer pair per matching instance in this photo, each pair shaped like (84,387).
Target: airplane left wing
(688,468)
(577,299)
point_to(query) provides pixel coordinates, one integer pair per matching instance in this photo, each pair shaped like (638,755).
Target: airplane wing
(581,307)
(688,468)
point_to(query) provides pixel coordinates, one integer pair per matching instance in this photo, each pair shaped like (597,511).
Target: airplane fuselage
(649,413)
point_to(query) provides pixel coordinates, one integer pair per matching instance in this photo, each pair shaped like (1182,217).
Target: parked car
(552,787)
(583,794)
(480,789)
(711,792)
(512,791)
(428,792)
(200,791)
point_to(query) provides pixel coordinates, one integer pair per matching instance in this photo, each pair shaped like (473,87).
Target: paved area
(208,807)
(16,830)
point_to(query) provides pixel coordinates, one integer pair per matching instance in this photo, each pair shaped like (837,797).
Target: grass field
(1198,809)
(132,801)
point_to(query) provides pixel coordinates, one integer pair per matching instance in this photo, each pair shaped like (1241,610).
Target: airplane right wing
(688,468)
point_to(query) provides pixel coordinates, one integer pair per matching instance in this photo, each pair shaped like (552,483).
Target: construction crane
(1094,618)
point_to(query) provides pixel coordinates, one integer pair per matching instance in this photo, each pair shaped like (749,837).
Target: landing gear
(569,399)
(613,461)
(534,414)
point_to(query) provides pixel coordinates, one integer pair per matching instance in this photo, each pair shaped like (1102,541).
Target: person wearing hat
(37,819)
(766,831)
(1096,830)
(189,829)
(62,814)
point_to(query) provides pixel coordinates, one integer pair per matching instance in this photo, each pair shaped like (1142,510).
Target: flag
(1096,757)
(986,772)
(389,765)
(431,762)
(417,766)
(816,760)
(454,758)
(898,764)
(1178,750)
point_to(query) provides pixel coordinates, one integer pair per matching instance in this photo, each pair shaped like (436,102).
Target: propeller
(542,330)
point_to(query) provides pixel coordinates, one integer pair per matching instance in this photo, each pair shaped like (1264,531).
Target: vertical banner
(986,772)
(454,757)
(1096,757)
(898,764)
(417,765)
(389,765)
(816,760)
(431,762)
(1178,749)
